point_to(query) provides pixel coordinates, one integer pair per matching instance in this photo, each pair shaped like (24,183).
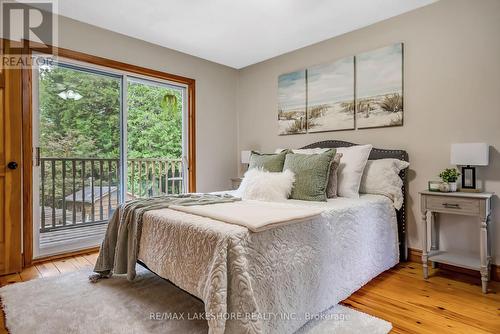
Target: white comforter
(269,282)
(257,216)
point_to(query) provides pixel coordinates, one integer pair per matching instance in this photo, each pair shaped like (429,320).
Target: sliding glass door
(154,138)
(101,138)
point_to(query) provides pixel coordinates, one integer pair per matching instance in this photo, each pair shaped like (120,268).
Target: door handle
(12,165)
(451,206)
(37,156)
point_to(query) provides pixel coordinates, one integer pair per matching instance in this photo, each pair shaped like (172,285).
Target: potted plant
(449,177)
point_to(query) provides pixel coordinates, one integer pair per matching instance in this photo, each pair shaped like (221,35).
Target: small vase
(453,186)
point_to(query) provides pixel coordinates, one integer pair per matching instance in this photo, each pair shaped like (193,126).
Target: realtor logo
(25,25)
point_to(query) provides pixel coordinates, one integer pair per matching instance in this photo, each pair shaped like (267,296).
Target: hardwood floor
(446,303)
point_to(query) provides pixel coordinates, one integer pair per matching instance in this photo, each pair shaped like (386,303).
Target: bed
(272,281)
(375,154)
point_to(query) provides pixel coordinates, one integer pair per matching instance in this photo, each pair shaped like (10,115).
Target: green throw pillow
(268,162)
(311,174)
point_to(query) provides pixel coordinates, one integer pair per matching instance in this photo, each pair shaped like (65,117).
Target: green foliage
(449,175)
(168,101)
(90,127)
(154,122)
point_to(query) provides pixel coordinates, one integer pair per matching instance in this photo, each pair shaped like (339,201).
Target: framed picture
(379,87)
(330,96)
(292,103)
(434,185)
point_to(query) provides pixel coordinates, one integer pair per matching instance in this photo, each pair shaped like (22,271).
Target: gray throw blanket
(118,253)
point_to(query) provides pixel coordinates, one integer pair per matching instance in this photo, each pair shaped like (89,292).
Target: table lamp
(468,155)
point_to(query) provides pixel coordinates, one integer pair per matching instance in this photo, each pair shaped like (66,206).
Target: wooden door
(10,167)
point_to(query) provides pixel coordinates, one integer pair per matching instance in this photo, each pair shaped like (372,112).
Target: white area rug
(71,304)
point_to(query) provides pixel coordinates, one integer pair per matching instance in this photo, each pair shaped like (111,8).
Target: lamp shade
(245,157)
(474,154)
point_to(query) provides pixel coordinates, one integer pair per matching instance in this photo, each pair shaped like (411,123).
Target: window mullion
(123,137)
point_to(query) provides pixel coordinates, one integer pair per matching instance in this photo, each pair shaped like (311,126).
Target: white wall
(452,85)
(452,94)
(215,93)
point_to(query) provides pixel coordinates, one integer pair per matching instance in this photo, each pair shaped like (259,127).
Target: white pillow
(310,150)
(351,169)
(381,177)
(266,186)
(305,150)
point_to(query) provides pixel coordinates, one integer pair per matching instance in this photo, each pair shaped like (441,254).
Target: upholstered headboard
(375,154)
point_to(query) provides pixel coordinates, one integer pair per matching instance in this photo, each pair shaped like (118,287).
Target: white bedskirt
(272,281)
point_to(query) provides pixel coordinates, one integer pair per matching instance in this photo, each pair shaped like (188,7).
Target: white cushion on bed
(351,169)
(266,186)
(310,150)
(304,150)
(381,177)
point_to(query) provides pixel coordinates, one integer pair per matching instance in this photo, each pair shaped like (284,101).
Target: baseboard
(65,255)
(415,255)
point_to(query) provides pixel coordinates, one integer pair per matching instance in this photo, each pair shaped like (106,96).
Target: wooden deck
(82,237)
(446,303)
(57,237)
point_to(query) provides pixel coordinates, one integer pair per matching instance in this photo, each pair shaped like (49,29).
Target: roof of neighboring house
(88,194)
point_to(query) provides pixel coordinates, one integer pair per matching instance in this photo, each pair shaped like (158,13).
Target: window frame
(108,66)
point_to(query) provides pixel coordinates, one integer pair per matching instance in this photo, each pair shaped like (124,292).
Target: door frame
(12,215)
(27,119)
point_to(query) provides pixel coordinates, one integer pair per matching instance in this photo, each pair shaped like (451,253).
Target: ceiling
(235,33)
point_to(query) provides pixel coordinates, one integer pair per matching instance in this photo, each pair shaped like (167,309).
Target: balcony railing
(78,192)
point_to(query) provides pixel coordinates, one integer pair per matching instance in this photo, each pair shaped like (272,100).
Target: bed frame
(375,154)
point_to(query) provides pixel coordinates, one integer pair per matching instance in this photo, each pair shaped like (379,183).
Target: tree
(154,122)
(89,127)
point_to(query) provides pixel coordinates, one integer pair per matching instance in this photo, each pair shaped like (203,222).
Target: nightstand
(235,182)
(459,203)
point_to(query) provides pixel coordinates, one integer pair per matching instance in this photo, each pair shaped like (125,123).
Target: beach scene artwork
(362,91)
(292,103)
(379,87)
(330,96)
